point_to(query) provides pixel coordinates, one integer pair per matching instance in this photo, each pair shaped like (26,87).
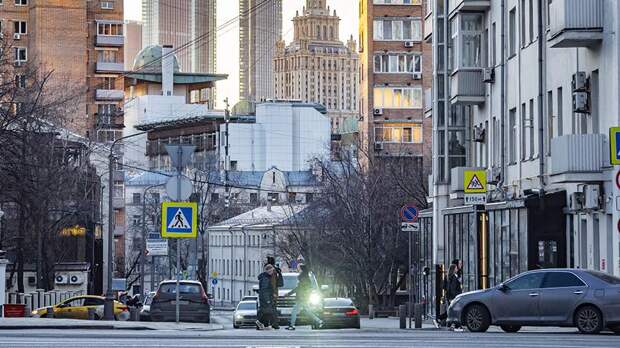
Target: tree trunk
(20,251)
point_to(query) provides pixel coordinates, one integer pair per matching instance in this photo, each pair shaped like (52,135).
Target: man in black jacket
(277,281)
(266,305)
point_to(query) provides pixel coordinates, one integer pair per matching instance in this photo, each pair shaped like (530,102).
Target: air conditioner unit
(580,82)
(495,176)
(409,44)
(378,111)
(576,201)
(592,197)
(581,102)
(479,134)
(61,279)
(76,279)
(32,281)
(378,146)
(417,76)
(17,36)
(488,75)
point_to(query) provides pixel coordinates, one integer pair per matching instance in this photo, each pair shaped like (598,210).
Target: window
(21,54)
(136,220)
(215,197)
(550,128)
(20,81)
(467,33)
(562,280)
(21,27)
(531,130)
(253,198)
(108,83)
(493,40)
(522,16)
(512,32)
(524,134)
(107,5)
(396,29)
(21,2)
(397,2)
(398,63)
(107,109)
(560,116)
(526,282)
(513,136)
(106,56)
(531,21)
(398,97)
(110,29)
(136,198)
(399,133)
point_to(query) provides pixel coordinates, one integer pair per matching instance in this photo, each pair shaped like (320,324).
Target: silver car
(245,314)
(588,300)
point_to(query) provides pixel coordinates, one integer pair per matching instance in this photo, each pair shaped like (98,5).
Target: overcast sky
(228,42)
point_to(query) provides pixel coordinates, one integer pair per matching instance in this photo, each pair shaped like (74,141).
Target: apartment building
(133,42)
(260,28)
(526,91)
(317,67)
(394,73)
(81,42)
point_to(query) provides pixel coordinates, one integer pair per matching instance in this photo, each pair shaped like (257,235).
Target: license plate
(180,302)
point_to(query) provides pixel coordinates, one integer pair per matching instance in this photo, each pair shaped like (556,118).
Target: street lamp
(108,308)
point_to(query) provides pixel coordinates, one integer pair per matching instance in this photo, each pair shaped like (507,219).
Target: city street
(372,334)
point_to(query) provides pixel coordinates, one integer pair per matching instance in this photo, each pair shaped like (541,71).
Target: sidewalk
(392,323)
(40,323)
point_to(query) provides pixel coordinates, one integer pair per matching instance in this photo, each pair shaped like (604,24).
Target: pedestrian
(459,267)
(266,308)
(277,281)
(453,284)
(302,299)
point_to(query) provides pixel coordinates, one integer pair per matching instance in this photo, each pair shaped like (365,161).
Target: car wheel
(235,326)
(477,318)
(589,320)
(510,328)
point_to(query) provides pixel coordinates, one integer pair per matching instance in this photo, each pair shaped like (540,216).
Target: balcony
(455,6)
(467,87)
(576,23)
(110,67)
(582,154)
(109,94)
(428,100)
(106,121)
(110,40)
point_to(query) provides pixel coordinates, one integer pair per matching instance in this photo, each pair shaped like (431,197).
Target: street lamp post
(144,235)
(108,308)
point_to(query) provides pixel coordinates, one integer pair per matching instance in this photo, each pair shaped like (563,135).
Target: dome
(149,60)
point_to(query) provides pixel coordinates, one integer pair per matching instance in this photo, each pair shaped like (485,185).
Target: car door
(562,291)
(69,309)
(94,303)
(519,301)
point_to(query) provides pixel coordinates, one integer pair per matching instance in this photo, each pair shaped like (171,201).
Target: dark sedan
(588,300)
(193,302)
(340,313)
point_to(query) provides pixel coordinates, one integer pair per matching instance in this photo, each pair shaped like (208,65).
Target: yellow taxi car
(77,308)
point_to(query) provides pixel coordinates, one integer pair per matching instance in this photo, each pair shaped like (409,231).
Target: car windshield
(290,281)
(605,277)
(337,302)
(246,306)
(170,288)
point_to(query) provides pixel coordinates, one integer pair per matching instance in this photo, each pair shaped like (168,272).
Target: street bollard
(91,314)
(402,313)
(134,314)
(50,313)
(28,305)
(371,311)
(418,315)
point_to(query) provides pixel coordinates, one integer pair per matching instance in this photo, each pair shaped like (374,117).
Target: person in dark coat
(277,281)
(266,305)
(453,283)
(302,298)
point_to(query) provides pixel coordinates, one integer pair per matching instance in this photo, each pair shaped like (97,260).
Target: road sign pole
(409,305)
(178,276)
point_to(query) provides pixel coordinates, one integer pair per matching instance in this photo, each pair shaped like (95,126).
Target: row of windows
(398,97)
(398,63)
(223,240)
(236,268)
(399,133)
(397,30)
(114,29)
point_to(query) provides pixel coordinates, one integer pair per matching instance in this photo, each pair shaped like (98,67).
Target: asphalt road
(372,334)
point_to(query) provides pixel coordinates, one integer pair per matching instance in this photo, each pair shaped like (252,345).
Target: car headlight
(238,316)
(314,299)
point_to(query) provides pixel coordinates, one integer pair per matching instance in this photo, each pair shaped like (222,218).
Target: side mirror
(503,287)
(324,287)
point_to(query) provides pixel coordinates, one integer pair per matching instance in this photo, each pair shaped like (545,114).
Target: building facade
(317,67)
(133,42)
(260,28)
(395,71)
(527,92)
(84,63)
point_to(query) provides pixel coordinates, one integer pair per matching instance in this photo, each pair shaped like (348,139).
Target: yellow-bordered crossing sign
(475,181)
(179,219)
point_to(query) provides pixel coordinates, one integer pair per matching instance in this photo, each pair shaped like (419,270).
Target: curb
(102,327)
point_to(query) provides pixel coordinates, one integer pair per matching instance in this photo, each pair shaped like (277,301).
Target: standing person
(276,282)
(266,308)
(459,267)
(302,298)
(453,285)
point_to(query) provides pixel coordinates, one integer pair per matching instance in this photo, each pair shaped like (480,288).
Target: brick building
(395,71)
(81,42)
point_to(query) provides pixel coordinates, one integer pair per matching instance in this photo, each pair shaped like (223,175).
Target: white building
(238,248)
(286,135)
(529,92)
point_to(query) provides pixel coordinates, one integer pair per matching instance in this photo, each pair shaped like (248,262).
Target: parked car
(245,314)
(588,300)
(193,302)
(340,313)
(77,308)
(145,312)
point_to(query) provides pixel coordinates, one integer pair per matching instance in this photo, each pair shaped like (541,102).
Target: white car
(245,314)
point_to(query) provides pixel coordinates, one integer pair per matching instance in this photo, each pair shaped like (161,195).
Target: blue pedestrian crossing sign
(179,220)
(614,137)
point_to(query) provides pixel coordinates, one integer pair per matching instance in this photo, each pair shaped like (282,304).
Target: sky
(228,42)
